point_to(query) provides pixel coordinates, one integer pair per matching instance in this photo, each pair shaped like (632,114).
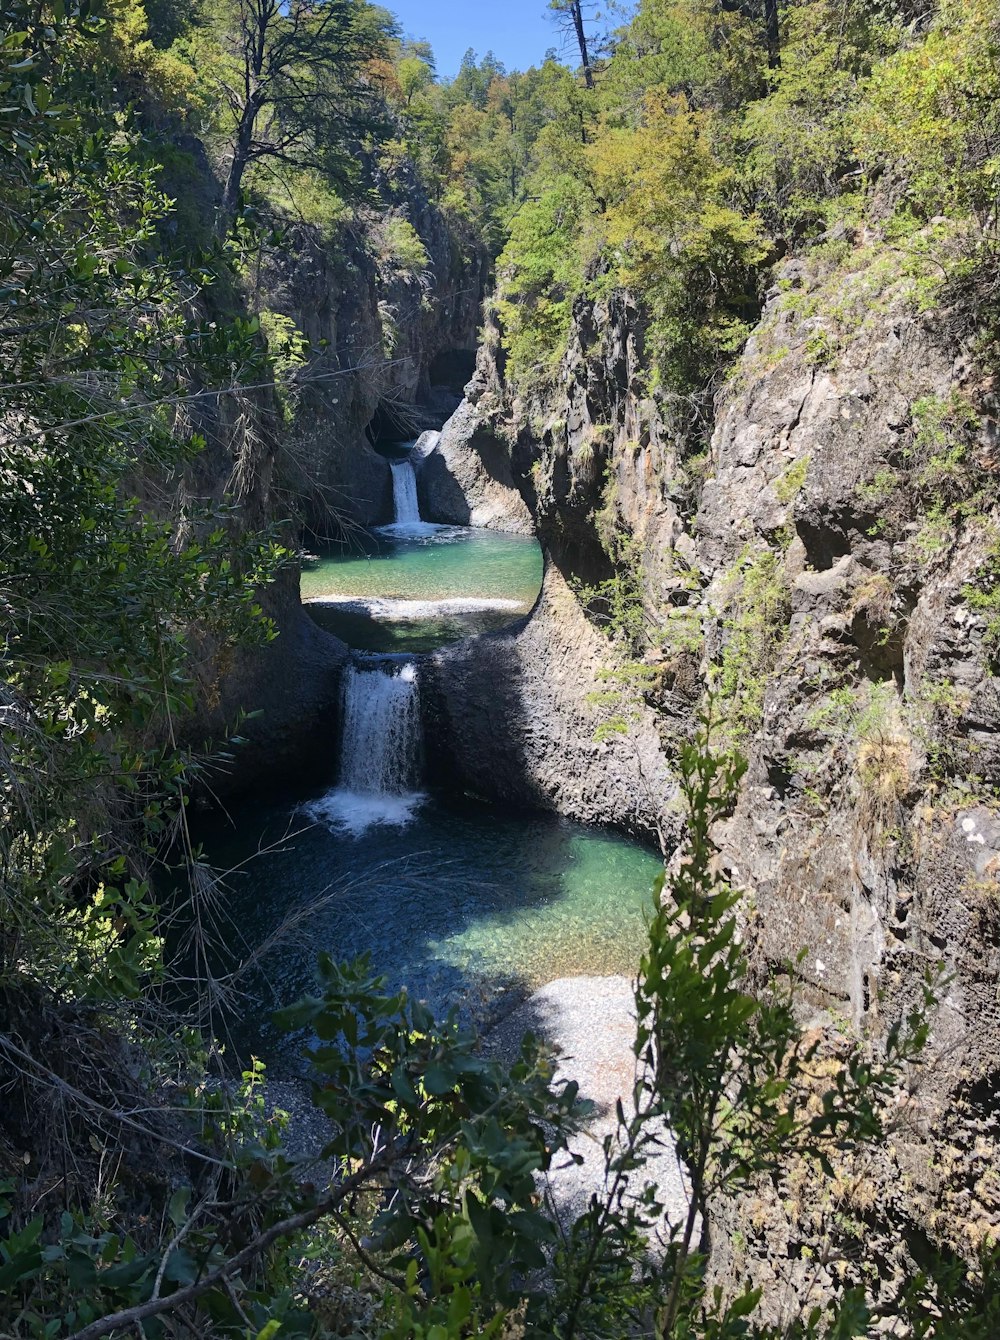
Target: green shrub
(754,624)
(401,248)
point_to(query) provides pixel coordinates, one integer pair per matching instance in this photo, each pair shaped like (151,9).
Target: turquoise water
(465,906)
(490,579)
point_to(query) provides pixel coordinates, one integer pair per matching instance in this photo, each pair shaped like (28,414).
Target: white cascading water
(404,492)
(380,750)
(381,729)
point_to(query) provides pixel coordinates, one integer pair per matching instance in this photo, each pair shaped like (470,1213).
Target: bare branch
(131,1317)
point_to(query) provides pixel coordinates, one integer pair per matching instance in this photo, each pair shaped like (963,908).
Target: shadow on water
(365,631)
(467,907)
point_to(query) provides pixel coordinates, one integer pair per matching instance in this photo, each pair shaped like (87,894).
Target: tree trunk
(581,37)
(771,30)
(241,157)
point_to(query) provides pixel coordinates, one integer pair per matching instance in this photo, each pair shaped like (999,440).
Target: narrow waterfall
(381,729)
(404,492)
(380,748)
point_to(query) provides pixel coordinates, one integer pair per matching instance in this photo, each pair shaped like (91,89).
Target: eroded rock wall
(509,718)
(467,479)
(861,463)
(291,685)
(826,565)
(377,327)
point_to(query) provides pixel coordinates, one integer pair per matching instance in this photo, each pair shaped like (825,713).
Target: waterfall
(404,492)
(381,729)
(380,747)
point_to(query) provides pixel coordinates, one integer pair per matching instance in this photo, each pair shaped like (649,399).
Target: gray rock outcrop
(466,480)
(292,684)
(508,718)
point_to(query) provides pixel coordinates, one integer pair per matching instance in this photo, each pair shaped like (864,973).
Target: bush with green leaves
(718,140)
(102,592)
(401,248)
(754,619)
(117,570)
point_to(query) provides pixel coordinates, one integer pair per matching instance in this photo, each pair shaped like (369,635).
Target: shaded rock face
(514,715)
(825,565)
(391,342)
(507,718)
(291,685)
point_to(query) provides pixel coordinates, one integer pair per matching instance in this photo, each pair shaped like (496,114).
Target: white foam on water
(356,811)
(411,530)
(393,610)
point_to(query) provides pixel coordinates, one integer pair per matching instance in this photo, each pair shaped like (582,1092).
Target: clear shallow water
(424,564)
(465,906)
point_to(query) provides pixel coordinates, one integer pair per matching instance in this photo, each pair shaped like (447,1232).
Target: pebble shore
(590,1023)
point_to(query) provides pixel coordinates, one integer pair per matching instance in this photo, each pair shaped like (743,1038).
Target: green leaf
(439,1078)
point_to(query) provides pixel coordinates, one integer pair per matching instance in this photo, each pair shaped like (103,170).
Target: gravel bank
(590,1023)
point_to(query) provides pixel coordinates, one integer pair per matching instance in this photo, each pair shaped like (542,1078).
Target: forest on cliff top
(151,159)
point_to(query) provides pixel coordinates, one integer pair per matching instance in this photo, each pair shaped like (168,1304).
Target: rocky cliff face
(394,335)
(859,466)
(539,715)
(828,566)
(510,717)
(467,479)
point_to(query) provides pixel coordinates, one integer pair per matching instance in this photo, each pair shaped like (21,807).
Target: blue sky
(519,32)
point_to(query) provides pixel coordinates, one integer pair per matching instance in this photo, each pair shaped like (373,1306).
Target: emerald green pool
(420,586)
(464,904)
